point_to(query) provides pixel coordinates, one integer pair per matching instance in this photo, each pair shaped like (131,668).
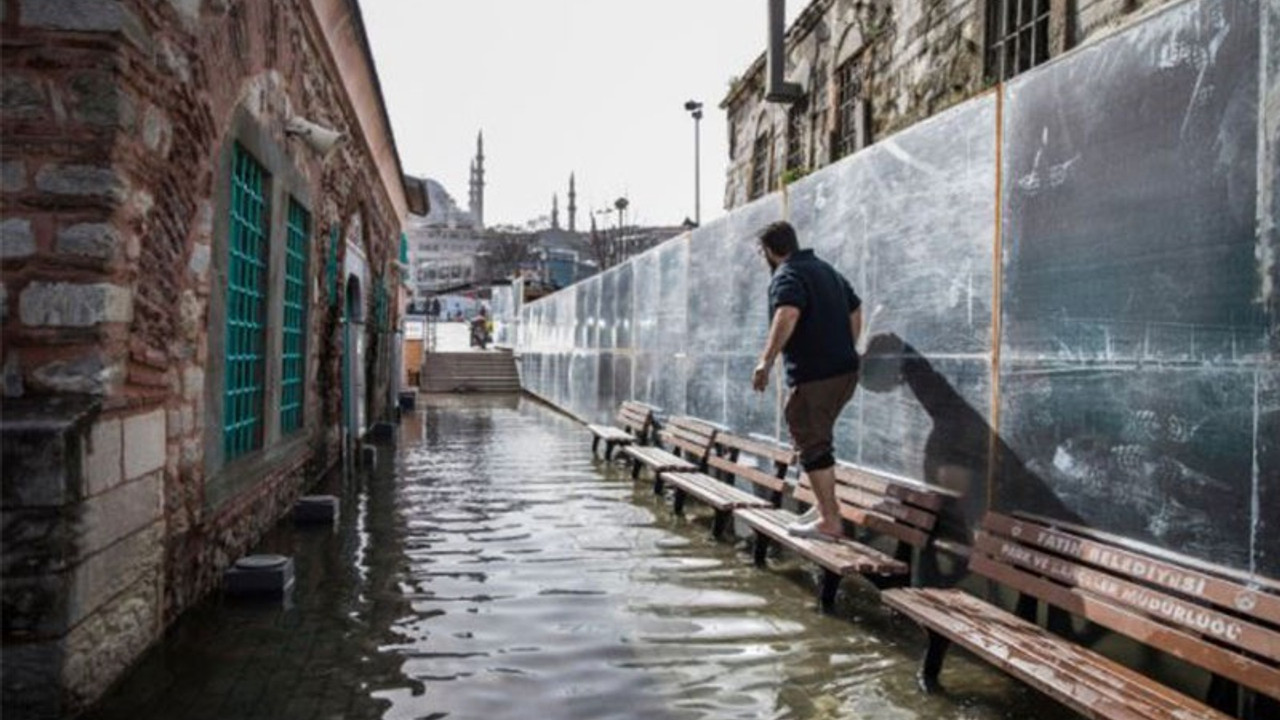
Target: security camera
(320,138)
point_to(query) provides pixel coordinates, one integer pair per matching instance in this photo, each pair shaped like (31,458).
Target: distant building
(868,69)
(446,248)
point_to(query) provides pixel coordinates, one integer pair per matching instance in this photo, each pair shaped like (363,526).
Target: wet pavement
(492,568)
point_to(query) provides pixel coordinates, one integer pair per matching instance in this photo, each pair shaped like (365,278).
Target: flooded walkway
(493,569)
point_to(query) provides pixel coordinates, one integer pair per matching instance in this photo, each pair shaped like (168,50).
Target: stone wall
(919,58)
(116,116)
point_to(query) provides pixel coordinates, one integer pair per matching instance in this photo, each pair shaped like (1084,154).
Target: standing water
(494,569)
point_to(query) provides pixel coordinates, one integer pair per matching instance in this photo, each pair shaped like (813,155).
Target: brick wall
(919,57)
(114,115)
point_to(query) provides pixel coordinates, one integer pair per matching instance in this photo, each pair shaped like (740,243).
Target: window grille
(294,360)
(1017,36)
(760,166)
(246,301)
(848,105)
(796,115)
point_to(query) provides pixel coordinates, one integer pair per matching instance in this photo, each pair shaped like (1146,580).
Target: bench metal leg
(1058,622)
(678,502)
(635,469)
(657,483)
(884,582)
(718,524)
(931,663)
(1026,607)
(1223,695)
(830,585)
(1260,707)
(762,549)
(595,444)
(609,447)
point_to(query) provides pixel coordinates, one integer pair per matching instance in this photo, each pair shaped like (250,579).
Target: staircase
(470,372)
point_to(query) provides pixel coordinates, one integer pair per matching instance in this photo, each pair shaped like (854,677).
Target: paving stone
(102,457)
(99,15)
(13,175)
(98,240)
(82,180)
(145,443)
(73,305)
(16,238)
(112,515)
(90,374)
(21,97)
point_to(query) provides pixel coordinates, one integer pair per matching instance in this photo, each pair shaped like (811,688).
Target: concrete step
(470,372)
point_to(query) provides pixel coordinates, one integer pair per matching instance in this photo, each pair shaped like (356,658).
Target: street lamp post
(695,108)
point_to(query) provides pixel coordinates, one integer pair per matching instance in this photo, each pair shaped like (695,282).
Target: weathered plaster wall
(919,57)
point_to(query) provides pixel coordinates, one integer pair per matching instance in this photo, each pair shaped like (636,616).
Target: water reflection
(494,569)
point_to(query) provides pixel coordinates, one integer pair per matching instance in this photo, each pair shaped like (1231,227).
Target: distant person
(434,308)
(816,318)
(480,330)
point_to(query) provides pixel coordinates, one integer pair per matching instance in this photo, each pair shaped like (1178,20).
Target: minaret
(573,206)
(477,183)
(555,212)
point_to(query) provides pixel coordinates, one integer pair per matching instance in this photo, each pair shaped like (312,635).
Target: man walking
(816,320)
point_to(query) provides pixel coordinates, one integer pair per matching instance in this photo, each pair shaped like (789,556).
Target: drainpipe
(777,90)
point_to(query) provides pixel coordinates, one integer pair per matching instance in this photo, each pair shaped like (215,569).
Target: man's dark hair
(780,238)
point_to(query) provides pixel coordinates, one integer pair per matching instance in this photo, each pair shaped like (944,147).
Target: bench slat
(919,495)
(608,432)
(1056,647)
(882,504)
(658,459)
(713,492)
(748,473)
(845,557)
(1220,592)
(1084,681)
(871,520)
(1109,588)
(1228,664)
(775,453)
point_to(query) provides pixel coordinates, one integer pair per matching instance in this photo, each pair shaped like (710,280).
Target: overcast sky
(595,87)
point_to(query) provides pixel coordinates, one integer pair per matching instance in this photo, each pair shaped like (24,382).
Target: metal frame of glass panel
(293,361)
(245,307)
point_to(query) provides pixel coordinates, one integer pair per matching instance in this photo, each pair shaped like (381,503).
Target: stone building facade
(869,69)
(184,271)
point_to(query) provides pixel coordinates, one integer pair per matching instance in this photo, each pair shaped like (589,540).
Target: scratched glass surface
(491,568)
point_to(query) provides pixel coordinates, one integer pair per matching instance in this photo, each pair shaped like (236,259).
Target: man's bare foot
(814,531)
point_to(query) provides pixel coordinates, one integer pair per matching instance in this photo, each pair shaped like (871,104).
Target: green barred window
(293,372)
(246,305)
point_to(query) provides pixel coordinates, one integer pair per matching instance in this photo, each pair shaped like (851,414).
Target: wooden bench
(690,439)
(634,424)
(899,509)
(1208,619)
(727,462)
